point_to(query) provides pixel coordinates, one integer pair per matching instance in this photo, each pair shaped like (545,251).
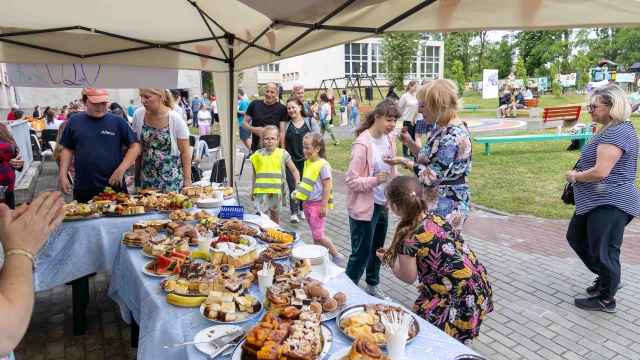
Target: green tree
(457,75)
(499,55)
(580,63)
(521,70)
(398,51)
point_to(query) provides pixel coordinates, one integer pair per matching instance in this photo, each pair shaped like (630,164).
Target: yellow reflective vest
(309,178)
(268,172)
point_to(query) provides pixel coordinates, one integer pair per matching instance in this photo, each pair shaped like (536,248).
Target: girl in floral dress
(455,294)
(269,190)
(445,160)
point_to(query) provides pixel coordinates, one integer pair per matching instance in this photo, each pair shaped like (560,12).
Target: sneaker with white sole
(294,219)
(302,216)
(376,291)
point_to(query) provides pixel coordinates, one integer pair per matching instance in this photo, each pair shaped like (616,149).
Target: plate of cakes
(240,256)
(161,245)
(306,294)
(75,211)
(199,279)
(233,227)
(230,307)
(138,237)
(363,322)
(360,349)
(294,334)
(189,232)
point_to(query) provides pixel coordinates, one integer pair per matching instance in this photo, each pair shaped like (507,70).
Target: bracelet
(21,251)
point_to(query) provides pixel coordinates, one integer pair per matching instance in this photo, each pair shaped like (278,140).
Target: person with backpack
(299,124)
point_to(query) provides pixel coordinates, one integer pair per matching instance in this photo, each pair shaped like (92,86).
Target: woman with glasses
(605,194)
(444,162)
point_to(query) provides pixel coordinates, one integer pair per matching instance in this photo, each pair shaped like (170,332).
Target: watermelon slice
(164,262)
(172,266)
(178,255)
(151,266)
(187,253)
(164,272)
(176,270)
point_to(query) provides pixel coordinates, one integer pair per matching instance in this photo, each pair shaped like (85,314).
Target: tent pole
(232,109)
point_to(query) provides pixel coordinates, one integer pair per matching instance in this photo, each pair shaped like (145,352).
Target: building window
(429,61)
(273,67)
(377,68)
(356,59)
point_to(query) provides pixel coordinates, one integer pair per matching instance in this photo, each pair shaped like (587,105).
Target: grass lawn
(519,178)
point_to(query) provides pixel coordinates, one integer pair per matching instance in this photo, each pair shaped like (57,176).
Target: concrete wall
(249,83)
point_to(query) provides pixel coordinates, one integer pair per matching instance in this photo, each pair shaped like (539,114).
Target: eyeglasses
(592,108)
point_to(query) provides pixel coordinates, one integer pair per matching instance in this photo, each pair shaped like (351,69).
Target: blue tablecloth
(79,248)
(162,323)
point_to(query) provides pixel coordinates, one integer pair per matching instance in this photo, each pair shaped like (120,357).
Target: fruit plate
(250,239)
(151,273)
(296,238)
(241,316)
(212,333)
(326,341)
(360,308)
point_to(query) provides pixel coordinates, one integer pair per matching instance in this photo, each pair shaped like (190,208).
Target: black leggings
(412,133)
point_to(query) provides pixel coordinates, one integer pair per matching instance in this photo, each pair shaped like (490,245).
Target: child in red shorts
(315,191)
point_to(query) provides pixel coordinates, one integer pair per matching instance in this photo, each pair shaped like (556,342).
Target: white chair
(52,146)
(43,154)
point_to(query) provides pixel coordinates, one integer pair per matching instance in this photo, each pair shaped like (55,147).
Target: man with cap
(11,115)
(94,140)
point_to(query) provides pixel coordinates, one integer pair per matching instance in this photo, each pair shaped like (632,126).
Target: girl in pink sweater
(367,179)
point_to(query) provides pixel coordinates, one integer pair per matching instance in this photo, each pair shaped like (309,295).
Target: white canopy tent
(224,36)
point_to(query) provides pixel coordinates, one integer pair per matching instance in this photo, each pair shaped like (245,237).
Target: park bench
(562,113)
(487,141)
(471,107)
(529,104)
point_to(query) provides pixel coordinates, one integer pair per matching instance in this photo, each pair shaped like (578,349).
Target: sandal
(336,143)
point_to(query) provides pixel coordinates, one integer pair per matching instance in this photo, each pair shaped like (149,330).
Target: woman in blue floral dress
(445,160)
(165,160)
(455,294)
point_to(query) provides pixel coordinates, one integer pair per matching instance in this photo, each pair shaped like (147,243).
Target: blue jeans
(596,237)
(353,117)
(366,238)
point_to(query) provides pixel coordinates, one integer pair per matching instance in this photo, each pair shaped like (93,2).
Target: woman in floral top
(455,294)
(445,160)
(165,161)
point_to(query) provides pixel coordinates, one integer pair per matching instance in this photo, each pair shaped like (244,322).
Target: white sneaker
(337,259)
(302,216)
(294,219)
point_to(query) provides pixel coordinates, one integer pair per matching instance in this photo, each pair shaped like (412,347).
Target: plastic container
(228,212)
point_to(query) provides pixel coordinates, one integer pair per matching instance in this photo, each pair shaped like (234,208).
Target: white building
(345,61)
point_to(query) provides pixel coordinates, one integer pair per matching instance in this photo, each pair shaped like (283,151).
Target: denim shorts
(244,134)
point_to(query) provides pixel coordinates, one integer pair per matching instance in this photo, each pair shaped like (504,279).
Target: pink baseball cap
(96,95)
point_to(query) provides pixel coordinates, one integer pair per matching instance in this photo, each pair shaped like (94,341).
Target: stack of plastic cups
(396,344)
(265,277)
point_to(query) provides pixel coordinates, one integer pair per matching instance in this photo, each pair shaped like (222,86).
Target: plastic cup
(204,243)
(396,343)
(265,279)
(218,194)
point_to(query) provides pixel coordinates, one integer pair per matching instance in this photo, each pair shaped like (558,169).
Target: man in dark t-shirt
(94,140)
(517,103)
(265,112)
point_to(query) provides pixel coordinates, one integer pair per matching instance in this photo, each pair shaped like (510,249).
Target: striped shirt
(618,188)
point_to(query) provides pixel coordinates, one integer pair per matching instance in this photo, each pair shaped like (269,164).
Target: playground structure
(353,83)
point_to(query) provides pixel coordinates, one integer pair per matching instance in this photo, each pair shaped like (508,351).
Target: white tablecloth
(162,323)
(79,248)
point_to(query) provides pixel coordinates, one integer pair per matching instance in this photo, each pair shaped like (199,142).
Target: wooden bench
(530,103)
(471,107)
(562,113)
(487,141)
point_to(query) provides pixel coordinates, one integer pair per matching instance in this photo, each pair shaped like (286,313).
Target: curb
(489,210)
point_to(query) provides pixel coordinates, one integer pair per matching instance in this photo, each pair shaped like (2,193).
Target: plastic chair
(49,135)
(213,143)
(35,143)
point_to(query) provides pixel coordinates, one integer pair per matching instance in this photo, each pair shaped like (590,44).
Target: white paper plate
(151,273)
(210,203)
(212,333)
(245,316)
(314,253)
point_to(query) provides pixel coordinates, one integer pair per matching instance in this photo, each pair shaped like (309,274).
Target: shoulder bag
(567,195)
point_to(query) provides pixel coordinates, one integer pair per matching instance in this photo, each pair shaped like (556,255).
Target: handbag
(196,172)
(567,195)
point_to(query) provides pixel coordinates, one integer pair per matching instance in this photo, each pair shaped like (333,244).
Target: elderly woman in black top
(605,194)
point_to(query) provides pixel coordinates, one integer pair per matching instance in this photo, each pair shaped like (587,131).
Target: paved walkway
(534,274)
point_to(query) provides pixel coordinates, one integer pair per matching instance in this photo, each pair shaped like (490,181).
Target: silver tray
(360,308)
(82,218)
(325,333)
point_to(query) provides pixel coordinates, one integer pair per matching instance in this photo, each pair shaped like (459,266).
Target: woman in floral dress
(445,160)
(165,162)
(455,294)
